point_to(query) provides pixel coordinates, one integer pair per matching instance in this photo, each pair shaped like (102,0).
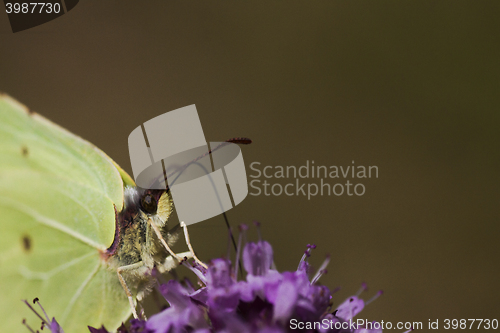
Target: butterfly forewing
(58,195)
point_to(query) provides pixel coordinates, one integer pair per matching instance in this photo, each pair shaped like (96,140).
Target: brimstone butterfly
(60,199)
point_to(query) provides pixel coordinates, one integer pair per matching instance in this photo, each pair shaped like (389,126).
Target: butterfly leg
(178,257)
(162,240)
(171,263)
(188,242)
(128,268)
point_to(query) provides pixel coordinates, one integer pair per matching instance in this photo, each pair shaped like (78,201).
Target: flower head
(265,301)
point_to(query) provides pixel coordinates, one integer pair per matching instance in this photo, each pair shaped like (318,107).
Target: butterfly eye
(149,204)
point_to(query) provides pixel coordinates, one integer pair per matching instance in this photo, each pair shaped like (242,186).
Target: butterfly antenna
(237,140)
(241,141)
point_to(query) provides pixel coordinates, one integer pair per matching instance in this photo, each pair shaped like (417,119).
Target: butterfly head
(141,206)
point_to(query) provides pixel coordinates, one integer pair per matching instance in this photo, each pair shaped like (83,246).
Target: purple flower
(265,301)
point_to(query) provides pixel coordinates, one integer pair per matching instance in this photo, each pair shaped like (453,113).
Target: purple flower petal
(55,327)
(219,274)
(257,258)
(350,308)
(286,298)
(223,299)
(173,320)
(200,295)
(91,329)
(175,294)
(264,287)
(182,313)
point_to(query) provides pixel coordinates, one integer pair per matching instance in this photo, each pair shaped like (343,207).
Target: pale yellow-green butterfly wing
(58,195)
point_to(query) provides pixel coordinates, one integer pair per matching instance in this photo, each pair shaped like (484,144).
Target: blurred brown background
(411,87)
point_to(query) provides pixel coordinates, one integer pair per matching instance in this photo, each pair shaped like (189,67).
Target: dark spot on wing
(26,242)
(25,151)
